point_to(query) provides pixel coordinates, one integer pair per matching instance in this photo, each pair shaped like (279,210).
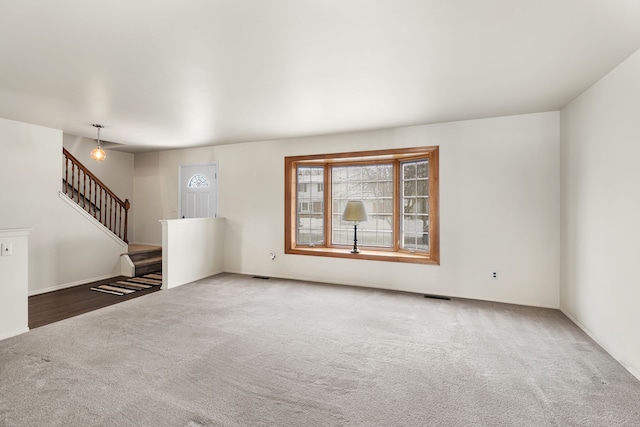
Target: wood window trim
(394,254)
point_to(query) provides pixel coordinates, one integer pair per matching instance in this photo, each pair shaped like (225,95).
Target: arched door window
(198,188)
(198,181)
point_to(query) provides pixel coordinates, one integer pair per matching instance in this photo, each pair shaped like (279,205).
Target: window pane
(385,223)
(310,214)
(198,181)
(409,170)
(354,173)
(339,205)
(422,187)
(339,189)
(409,188)
(410,205)
(339,174)
(415,204)
(385,188)
(373,184)
(387,205)
(354,187)
(422,205)
(415,235)
(423,169)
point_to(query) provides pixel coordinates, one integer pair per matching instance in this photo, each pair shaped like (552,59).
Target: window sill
(372,255)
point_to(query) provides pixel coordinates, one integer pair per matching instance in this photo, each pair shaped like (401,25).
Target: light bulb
(98,154)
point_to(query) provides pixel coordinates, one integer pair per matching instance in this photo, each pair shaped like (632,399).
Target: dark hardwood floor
(58,305)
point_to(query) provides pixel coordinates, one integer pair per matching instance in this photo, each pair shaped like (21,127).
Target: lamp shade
(98,154)
(354,211)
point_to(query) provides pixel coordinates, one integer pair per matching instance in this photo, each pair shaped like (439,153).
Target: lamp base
(355,249)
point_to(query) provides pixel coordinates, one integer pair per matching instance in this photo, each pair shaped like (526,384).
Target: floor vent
(261,277)
(438,297)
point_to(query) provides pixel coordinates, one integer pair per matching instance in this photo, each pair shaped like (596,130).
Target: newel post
(127,205)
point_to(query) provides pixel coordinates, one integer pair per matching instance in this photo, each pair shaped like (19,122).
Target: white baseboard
(632,370)
(70,285)
(369,286)
(14,333)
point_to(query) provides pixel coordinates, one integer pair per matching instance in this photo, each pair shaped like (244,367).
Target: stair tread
(136,249)
(141,256)
(148,261)
(142,252)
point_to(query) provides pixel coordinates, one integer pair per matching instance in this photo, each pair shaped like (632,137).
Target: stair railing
(91,194)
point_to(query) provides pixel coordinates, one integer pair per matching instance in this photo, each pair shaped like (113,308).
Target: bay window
(399,189)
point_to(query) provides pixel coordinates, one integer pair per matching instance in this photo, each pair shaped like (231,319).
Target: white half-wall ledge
(14,277)
(192,249)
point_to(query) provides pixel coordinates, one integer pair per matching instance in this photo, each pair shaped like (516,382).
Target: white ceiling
(178,73)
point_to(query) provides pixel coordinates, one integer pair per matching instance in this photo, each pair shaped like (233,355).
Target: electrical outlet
(272,255)
(7,249)
(494,275)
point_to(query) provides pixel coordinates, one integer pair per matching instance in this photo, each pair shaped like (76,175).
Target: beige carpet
(236,351)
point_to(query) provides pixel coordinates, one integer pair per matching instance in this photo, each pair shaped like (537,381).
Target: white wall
(116,171)
(600,202)
(499,207)
(14,282)
(192,249)
(155,188)
(64,247)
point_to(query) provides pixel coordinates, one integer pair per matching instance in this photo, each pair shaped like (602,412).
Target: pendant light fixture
(98,153)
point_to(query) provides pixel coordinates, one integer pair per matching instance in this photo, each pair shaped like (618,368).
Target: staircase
(146,259)
(89,193)
(84,188)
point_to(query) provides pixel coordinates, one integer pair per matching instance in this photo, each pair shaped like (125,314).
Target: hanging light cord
(98,127)
(98,153)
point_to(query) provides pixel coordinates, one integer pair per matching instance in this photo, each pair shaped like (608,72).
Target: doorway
(198,191)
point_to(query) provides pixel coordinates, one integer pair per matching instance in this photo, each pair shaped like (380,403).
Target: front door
(199,191)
